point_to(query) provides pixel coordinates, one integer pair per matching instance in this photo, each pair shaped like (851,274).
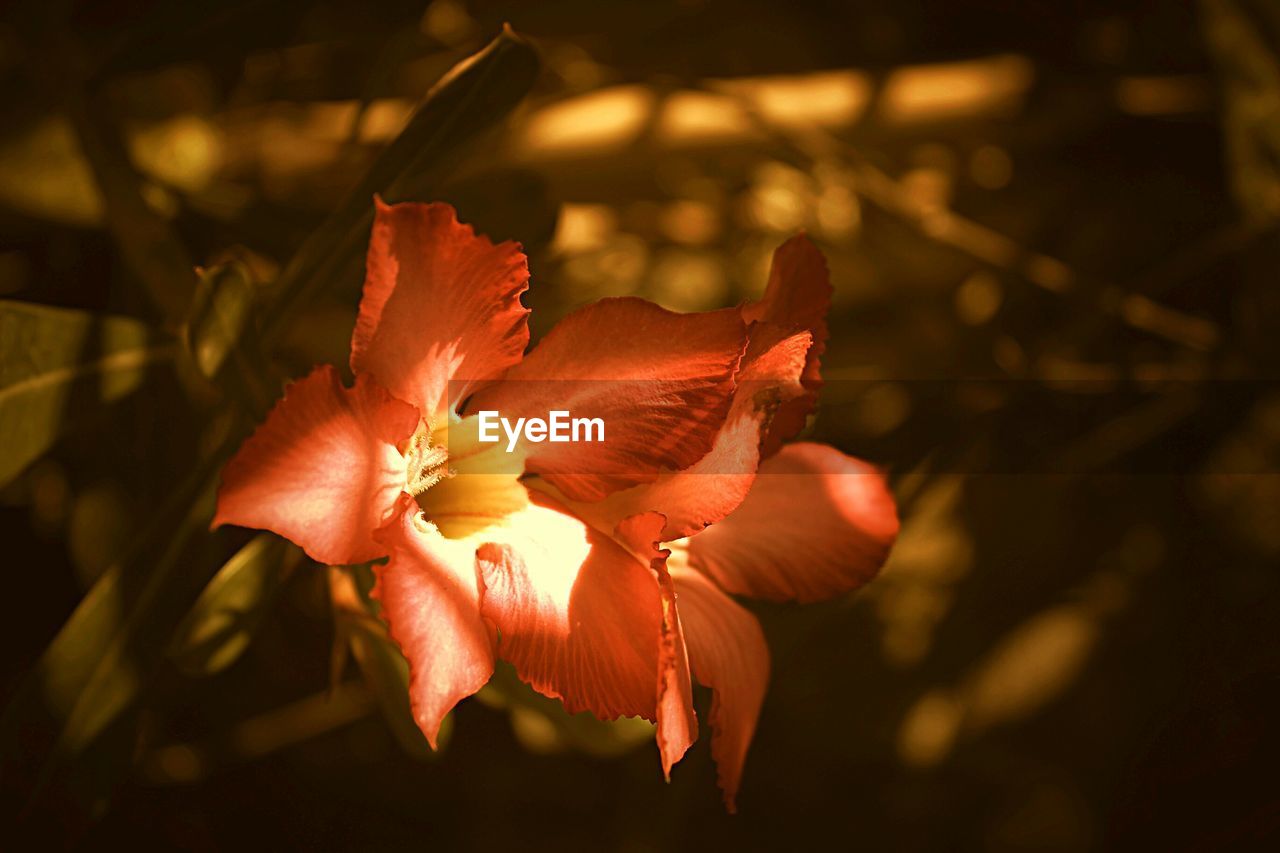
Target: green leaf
(98,662)
(56,364)
(471,98)
(221,337)
(217,630)
(220,315)
(111,682)
(65,667)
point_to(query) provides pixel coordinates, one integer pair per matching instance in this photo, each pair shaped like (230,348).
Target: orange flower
(600,571)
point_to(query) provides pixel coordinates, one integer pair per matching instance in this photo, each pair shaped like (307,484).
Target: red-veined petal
(712,487)
(661,382)
(817,523)
(577,614)
(441,307)
(324,470)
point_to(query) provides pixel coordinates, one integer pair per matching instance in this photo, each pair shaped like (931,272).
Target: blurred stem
(148,244)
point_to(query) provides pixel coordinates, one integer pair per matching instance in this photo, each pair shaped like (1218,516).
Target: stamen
(425,463)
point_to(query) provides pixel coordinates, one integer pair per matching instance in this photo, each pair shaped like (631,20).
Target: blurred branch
(1251,72)
(1131,431)
(997,250)
(1200,255)
(805,112)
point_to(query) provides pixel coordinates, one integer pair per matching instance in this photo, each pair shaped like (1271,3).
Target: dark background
(1074,644)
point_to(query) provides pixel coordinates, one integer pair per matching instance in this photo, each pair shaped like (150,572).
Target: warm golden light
(606,119)
(939,92)
(702,117)
(829,98)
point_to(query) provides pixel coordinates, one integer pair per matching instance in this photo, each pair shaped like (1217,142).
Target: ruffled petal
(441,309)
(796,298)
(430,595)
(798,293)
(817,523)
(677,722)
(712,487)
(324,470)
(661,383)
(578,615)
(727,652)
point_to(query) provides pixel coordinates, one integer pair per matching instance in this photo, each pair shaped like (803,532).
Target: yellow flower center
(463,485)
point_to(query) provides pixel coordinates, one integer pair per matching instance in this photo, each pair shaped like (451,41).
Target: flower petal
(797,297)
(798,293)
(661,382)
(578,616)
(441,308)
(727,652)
(712,487)
(323,470)
(430,595)
(816,524)
(776,388)
(677,722)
